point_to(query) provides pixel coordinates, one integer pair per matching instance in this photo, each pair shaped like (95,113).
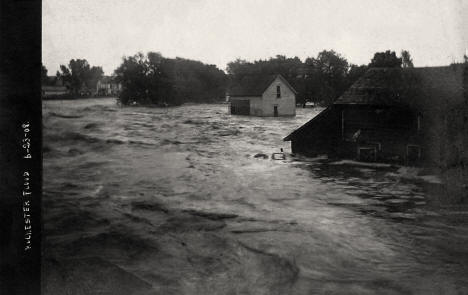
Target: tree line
(320,79)
(154,79)
(78,76)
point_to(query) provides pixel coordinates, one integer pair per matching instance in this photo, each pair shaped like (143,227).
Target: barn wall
(256,106)
(240,106)
(388,130)
(325,136)
(321,137)
(286,103)
(455,158)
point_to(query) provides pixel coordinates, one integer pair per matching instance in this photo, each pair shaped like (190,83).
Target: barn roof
(409,86)
(255,85)
(320,116)
(433,89)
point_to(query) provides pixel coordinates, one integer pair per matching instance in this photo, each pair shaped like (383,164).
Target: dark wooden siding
(350,131)
(377,122)
(240,107)
(389,130)
(321,137)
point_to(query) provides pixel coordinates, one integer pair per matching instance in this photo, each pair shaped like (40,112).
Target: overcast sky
(218,31)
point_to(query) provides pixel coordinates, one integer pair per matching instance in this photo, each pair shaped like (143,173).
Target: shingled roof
(433,89)
(409,86)
(255,85)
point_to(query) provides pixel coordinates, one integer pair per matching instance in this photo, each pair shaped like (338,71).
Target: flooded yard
(188,200)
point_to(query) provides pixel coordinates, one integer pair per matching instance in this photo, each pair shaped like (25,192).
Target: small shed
(265,96)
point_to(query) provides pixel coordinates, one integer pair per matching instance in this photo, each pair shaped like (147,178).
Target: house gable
(280,95)
(279,80)
(255,85)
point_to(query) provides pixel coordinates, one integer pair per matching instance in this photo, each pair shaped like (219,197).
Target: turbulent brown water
(179,201)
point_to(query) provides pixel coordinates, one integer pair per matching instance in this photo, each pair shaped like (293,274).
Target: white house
(106,86)
(266,96)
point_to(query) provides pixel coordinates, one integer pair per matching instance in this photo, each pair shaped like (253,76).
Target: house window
(278,91)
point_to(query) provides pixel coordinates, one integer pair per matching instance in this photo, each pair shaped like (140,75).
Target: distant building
(54,81)
(411,116)
(54,86)
(106,86)
(263,96)
(48,91)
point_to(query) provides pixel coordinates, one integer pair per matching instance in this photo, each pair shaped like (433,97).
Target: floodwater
(188,200)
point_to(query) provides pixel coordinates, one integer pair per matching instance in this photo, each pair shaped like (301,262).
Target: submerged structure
(412,116)
(266,96)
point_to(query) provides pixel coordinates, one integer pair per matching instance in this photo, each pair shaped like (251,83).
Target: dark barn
(412,116)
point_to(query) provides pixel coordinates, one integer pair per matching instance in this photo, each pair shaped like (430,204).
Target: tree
(64,75)
(154,79)
(197,81)
(93,76)
(354,73)
(44,78)
(387,59)
(280,64)
(237,67)
(407,61)
(331,63)
(78,69)
(132,74)
(327,77)
(80,75)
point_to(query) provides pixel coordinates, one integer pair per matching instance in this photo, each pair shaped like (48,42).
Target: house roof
(106,79)
(255,85)
(433,89)
(318,117)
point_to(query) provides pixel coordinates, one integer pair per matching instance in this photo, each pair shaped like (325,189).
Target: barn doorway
(240,107)
(367,153)
(275,111)
(413,155)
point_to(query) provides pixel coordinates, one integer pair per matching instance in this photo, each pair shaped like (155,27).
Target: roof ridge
(256,84)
